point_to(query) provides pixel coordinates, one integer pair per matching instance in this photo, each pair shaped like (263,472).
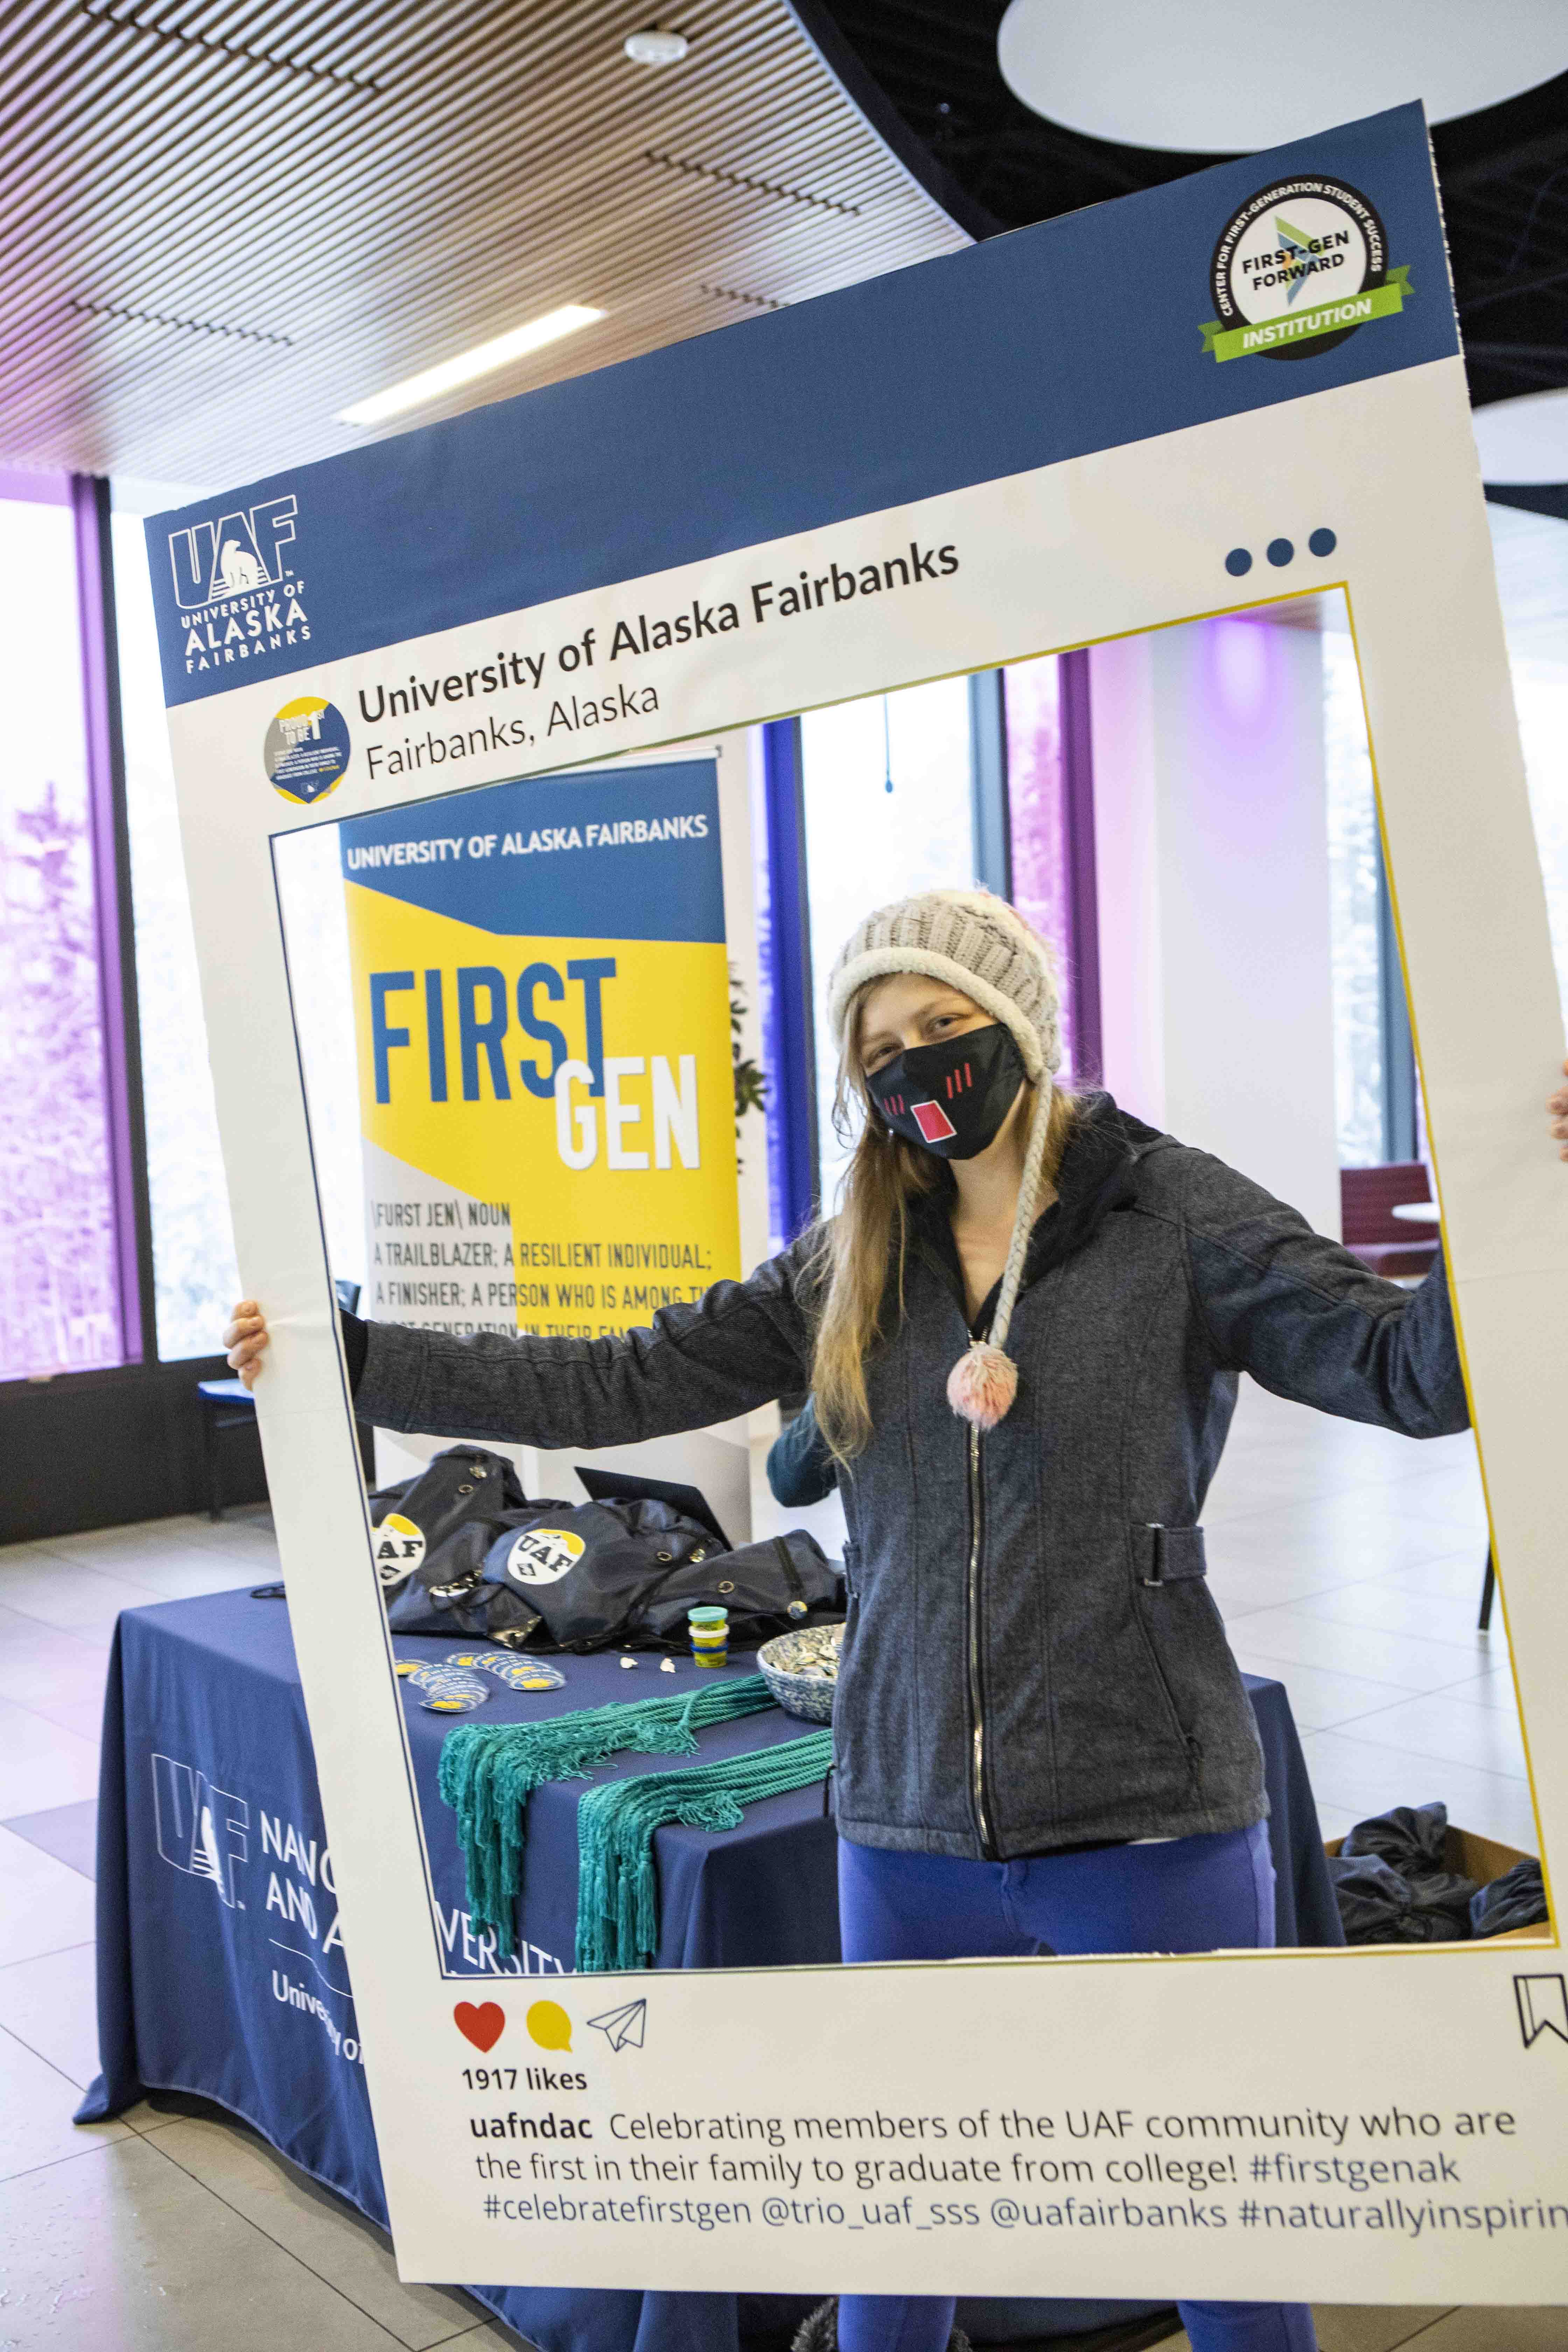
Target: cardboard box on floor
(1482,1859)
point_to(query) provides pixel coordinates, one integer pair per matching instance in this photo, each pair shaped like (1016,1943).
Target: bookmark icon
(1542,2008)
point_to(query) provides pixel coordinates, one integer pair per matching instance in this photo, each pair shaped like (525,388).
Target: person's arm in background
(800,1462)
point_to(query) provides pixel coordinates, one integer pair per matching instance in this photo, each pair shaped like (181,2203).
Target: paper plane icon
(622,2026)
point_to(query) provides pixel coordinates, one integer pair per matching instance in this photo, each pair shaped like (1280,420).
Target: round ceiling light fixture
(1200,79)
(1523,440)
(656,48)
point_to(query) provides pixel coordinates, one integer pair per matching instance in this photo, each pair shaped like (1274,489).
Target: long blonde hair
(858,1256)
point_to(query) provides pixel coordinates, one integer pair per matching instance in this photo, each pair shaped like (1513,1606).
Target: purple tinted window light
(192,1239)
(784,940)
(1037,810)
(90,512)
(1083,882)
(1050,807)
(1036,800)
(59,1268)
(767,1003)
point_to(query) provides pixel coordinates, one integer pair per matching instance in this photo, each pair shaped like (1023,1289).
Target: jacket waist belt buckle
(1176,1562)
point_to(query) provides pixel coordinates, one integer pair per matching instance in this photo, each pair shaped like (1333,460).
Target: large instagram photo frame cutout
(1058,411)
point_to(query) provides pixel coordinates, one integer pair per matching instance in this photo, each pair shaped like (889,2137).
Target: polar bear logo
(239,568)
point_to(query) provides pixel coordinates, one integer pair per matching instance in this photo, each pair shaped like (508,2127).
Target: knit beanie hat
(977,944)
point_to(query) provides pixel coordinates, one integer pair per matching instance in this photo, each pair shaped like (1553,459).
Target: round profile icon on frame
(306,754)
(1297,268)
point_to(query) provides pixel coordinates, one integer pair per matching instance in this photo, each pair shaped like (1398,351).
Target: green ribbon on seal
(1385,301)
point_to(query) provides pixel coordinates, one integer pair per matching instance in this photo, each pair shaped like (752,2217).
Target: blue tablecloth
(220,1972)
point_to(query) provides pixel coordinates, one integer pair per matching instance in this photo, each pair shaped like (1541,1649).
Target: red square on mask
(933,1122)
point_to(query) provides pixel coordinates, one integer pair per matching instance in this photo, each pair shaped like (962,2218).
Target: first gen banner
(541,1012)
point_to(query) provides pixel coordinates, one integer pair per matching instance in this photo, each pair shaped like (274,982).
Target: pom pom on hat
(982,1384)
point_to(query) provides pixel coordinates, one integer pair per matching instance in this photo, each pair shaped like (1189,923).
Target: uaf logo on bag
(540,1555)
(399,1549)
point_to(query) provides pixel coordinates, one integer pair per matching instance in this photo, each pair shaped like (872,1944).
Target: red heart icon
(483,2026)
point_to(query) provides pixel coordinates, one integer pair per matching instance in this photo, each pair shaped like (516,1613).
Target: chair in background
(1368,1197)
(229,1404)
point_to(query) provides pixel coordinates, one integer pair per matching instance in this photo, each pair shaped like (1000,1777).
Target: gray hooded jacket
(1032,1659)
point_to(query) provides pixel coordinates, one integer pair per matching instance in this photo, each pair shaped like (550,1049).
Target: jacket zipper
(976,1692)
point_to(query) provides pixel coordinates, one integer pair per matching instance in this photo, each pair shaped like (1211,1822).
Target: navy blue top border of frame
(1082,333)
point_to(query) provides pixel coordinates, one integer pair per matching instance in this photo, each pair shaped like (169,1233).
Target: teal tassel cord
(617,1890)
(489,1771)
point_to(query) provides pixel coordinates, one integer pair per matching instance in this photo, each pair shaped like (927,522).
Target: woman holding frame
(1024,1330)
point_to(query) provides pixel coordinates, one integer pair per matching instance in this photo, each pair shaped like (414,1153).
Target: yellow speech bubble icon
(549,2025)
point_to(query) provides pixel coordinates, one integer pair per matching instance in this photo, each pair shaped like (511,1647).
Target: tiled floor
(159,2232)
(1346,1562)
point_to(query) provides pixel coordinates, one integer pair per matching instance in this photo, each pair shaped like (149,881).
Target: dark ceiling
(1503,171)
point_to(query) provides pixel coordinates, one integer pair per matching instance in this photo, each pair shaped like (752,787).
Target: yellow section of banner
(580,1090)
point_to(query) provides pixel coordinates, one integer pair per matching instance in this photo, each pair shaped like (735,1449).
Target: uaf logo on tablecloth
(202,1831)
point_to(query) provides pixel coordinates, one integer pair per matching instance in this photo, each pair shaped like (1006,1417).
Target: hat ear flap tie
(983,1384)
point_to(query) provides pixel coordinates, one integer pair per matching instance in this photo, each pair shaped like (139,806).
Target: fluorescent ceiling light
(656,48)
(483,360)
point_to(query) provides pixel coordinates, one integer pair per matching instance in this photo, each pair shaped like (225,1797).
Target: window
(983,778)
(195,1278)
(59,1263)
(1355,946)
(72,1253)
(1052,875)
(887,811)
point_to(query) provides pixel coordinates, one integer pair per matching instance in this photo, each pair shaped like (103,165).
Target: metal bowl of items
(801,1670)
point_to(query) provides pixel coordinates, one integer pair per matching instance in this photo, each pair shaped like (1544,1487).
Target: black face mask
(952,1099)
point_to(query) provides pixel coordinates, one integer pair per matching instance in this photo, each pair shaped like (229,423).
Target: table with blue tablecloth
(222,1975)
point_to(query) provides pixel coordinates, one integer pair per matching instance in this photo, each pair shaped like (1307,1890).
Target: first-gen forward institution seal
(1299,268)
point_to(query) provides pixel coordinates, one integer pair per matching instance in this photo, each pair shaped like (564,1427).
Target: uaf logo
(237,598)
(202,1831)
(542,1554)
(399,1549)
(214,562)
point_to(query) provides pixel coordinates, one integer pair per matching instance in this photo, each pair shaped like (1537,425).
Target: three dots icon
(1279,553)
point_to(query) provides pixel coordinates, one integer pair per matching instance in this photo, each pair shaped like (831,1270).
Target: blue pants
(1191,1894)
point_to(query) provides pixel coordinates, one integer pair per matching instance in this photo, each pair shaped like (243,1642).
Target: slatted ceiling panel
(592,170)
(222,221)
